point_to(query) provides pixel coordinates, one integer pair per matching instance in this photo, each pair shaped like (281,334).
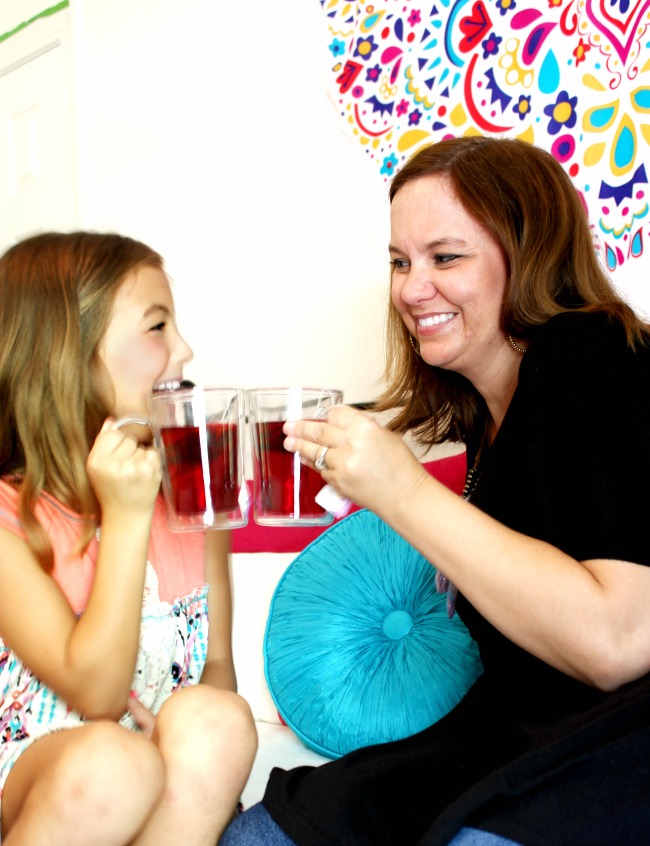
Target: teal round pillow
(358,647)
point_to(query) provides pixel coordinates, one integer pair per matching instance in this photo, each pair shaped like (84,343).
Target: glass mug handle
(128,421)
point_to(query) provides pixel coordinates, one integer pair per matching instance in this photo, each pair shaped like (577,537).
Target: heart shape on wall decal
(622,31)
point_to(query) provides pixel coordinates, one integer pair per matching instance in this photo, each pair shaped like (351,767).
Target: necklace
(473,477)
(516,346)
(443,585)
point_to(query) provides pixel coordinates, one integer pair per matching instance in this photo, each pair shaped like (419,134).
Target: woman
(504,333)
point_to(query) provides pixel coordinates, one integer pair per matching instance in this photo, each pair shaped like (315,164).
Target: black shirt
(529,753)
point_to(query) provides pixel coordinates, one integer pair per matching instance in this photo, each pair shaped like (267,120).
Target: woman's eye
(445,258)
(158,327)
(398,264)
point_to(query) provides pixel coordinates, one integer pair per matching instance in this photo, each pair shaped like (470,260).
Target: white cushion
(278,747)
(254,578)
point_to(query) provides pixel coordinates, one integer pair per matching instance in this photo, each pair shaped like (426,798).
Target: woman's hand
(123,474)
(364,462)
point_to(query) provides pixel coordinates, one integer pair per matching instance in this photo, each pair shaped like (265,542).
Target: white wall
(205,129)
(204,132)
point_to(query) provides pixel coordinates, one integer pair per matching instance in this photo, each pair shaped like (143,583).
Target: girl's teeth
(167,386)
(436,319)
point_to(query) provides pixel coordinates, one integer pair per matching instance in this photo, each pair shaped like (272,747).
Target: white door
(37,173)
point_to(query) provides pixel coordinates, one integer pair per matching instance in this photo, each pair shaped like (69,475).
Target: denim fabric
(256,828)
(474,837)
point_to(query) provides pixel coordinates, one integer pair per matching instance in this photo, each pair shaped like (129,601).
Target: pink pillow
(450,471)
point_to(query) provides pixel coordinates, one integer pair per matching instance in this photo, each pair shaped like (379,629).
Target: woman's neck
(498,398)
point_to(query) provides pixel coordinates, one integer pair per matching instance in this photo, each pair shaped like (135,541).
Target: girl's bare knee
(108,770)
(211,720)
(77,782)
(202,707)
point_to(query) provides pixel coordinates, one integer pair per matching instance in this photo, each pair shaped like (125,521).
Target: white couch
(255,576)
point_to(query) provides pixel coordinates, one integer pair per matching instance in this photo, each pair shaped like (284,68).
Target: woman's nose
(417,286)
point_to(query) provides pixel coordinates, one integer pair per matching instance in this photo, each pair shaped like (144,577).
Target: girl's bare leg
(207,739)
(95,785)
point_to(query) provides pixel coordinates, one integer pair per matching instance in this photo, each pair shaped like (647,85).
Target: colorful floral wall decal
(572,76)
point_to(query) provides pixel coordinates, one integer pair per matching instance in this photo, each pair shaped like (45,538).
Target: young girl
(87,333)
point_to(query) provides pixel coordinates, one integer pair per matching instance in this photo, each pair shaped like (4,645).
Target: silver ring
(319,464)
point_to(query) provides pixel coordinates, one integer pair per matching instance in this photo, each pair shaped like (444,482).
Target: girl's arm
(219,667)
(88,661)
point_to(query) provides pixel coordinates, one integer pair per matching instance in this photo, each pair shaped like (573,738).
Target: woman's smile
(434,319)
(448,280)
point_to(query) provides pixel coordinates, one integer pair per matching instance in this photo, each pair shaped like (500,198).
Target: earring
(414,344)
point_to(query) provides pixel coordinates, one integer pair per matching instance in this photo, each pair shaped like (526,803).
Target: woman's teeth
(436,319)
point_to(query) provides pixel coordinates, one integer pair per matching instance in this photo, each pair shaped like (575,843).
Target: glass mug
(285,489)
(199,434)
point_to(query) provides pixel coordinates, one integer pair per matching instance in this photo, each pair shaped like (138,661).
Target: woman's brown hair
(524,198)
(57,292)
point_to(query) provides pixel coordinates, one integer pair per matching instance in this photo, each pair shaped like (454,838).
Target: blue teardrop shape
(549,75)
(624,152)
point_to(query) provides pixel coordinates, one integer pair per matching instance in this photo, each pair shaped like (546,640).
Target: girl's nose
(183,352)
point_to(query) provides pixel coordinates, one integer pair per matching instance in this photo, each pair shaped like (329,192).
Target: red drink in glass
(284,486)
(202,466)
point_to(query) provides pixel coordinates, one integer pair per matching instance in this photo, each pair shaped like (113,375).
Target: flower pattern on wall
(572,76)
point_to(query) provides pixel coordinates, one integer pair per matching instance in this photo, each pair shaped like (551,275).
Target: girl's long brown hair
(56,294)
(524,198)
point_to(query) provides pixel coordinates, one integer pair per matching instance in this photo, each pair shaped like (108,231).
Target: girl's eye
(158,327)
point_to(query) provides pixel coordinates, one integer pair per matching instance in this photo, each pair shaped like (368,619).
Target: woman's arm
(588,619)
(219,668)
(88,661)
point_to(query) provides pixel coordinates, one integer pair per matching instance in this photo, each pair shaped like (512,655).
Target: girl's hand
(364,462)
(142,715)
(123,474)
